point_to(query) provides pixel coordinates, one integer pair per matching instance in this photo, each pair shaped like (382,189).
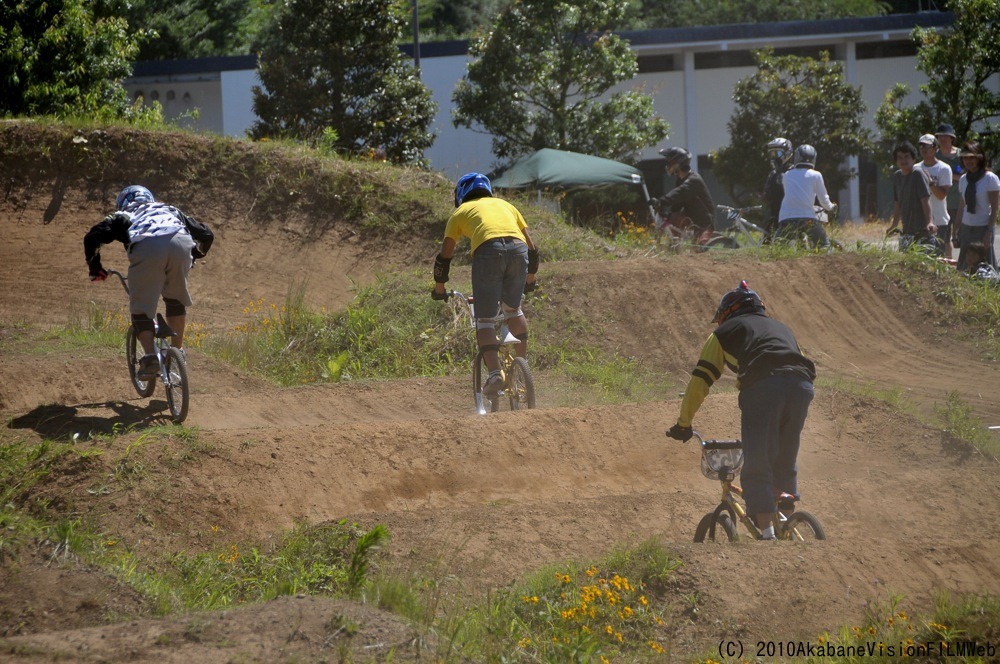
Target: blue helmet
(469,183)
(133,194)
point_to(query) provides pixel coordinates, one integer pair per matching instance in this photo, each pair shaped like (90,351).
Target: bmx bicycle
(722,460)
(733,230)
(173,368)
(518,383)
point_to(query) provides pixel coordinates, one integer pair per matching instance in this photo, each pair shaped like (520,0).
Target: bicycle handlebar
(122,278)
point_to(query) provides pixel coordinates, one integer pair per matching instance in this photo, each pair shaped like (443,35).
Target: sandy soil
(493,498)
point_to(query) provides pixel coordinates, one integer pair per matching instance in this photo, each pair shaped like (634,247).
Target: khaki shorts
(159,266)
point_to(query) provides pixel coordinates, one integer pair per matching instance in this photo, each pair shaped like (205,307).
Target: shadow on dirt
(54,421)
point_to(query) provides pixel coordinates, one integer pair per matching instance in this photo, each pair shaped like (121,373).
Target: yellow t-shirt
(483,219)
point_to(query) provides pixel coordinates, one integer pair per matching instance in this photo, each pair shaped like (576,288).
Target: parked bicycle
(518,383)
(173,368)
(722,460)
(733,230)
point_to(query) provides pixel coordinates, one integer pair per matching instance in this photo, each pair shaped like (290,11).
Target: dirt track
(494,498)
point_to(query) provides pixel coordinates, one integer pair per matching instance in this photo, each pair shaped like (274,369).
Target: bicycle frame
(518,385)
(784,524)
(738,228)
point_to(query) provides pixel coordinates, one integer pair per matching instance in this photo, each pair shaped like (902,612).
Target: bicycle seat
(722,444)
(162,329)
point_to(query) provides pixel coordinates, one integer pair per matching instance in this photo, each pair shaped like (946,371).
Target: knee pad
(522,337)
(142,323)
(174,307)
(510,312)
(490,347)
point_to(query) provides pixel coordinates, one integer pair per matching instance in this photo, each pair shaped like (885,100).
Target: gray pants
(159,266)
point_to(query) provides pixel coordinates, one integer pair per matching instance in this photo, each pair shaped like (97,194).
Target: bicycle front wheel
(521,384)
(178,393)
(142,387)
(722,242)
(802,527)
(723,522)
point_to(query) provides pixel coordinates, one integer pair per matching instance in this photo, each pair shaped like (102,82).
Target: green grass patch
(966,629)
(605,611)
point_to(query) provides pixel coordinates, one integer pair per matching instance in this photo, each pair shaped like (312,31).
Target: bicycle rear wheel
(178,394)
(723,523)
(802,526)
(143,387)
(521,383)
(722,242)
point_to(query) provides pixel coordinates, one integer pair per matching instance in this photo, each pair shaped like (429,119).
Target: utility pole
(416,38)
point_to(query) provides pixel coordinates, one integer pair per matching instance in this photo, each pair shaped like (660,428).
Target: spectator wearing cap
(939,177)
(948,152)
(979,192)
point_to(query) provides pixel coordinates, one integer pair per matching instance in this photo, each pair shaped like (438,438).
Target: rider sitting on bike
(690,197)
(504,263)
(779,152)
(776,386)
(803,186)
(160,251)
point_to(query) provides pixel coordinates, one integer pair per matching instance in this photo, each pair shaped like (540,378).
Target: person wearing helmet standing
(779,152)
(161,252)
(803,186)
(776,387)
(504,263)
(689,196)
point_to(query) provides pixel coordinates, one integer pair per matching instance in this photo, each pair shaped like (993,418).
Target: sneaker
(772,538)
(494,383)
(149,367)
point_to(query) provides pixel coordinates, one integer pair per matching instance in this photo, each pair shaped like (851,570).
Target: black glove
(530,286)
(97,272)
(683,434)
(439,296)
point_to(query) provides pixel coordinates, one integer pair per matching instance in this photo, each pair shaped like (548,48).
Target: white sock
(768,532)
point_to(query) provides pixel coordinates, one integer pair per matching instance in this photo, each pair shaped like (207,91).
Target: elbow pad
(533,261)
(442,266)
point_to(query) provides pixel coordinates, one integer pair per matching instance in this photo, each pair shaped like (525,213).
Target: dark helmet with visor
(737,302)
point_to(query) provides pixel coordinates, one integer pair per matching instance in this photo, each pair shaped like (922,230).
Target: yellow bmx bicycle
(722,460)
(518,384)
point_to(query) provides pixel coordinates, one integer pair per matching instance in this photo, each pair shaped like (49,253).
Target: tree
(63,57)
(539,79)
(649,14)
(805,100)
(197,28)
(958,62)
(334,65)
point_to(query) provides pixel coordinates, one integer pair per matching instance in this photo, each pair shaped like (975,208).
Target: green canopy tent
(561,170)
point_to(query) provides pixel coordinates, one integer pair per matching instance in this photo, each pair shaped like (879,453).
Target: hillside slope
(489,499)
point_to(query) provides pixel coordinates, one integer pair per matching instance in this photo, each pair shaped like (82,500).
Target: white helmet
(779,149)
(805,154)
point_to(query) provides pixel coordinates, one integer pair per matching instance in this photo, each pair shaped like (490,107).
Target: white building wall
(456,150)
(236,88)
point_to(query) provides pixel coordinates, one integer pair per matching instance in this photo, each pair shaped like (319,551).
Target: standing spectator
(804,186)
(779,151)
(689,196)
(776,386)
(948,152)
(939,177)
(979,191)
(911,203)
